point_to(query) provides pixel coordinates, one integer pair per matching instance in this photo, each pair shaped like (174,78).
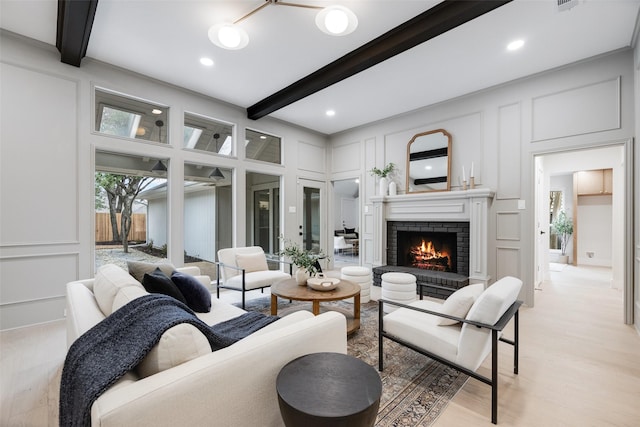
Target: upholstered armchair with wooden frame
(246,269)
(460,332)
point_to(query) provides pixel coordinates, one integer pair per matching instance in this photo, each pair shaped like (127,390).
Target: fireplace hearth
(436,252)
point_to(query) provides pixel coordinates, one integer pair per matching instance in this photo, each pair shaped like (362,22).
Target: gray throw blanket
(102,355)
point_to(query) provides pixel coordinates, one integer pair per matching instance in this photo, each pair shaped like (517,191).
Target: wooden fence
(138,231)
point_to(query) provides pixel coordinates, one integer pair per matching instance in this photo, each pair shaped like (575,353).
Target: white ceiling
(165,40)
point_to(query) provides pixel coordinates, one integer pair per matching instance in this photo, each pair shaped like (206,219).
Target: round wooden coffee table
(289,289)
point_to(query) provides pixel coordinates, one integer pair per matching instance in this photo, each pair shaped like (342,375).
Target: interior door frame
(627,243)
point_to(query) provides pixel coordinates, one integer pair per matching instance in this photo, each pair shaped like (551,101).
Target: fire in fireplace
(427,250)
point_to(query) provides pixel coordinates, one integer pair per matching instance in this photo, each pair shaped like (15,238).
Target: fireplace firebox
(435,251)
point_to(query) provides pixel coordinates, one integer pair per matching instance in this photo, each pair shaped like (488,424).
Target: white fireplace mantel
(470,205)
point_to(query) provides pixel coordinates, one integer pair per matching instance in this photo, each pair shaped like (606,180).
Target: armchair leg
(515,343)
(243,299)
(380,329)
(494,376)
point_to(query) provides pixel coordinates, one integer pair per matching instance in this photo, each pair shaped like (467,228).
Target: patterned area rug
(415,389)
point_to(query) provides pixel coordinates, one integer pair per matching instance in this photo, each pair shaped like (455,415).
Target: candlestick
(464,178)
(472,183)
(464,185)
(471,174)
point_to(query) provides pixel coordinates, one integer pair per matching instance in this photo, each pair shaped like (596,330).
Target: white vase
(393,188)
(301,275)
(384,185)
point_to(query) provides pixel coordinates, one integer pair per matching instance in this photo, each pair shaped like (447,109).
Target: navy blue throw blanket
(102,355)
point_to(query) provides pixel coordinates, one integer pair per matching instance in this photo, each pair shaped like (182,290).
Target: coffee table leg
(356,306)
(316,307)
(274,305)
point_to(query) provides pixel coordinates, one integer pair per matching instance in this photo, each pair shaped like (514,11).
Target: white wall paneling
(346,158)
(508,225)
(509,143)
(576,111)
(39,162)
(311,158)
(508,260)
(32,287)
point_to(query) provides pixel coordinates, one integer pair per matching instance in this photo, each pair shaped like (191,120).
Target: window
(205,134)
(263,211)
(127,117)
(264,147)
(131,200)
(208,214)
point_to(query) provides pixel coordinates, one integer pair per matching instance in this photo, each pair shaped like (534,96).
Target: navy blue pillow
(157,282)
(197,295)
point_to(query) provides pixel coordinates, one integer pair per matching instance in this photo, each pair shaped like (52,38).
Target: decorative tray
(323,284)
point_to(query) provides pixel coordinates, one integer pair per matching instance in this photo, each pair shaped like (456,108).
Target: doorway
(312,217)
(617,227)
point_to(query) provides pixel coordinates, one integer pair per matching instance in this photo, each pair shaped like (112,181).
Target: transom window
(127,117)
(262,146)
(206,134)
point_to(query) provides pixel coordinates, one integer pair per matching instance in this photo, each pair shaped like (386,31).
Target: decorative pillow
(108,281)
(349,230)
(350,236)
(138,268)
(459,303)
(177,345)
(195,293)
(252,262)
(159,283)
(127,294)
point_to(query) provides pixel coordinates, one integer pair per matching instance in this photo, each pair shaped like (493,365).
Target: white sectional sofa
(231,387)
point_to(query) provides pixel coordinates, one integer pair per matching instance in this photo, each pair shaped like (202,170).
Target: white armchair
(460,332)
(245,269)
(340,244)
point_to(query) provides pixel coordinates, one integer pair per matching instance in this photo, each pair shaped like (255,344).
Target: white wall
(47,166)
(595,216)
(501,130)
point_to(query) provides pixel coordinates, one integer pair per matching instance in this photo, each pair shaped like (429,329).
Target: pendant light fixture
(333,20)
(159,167)
(216,174)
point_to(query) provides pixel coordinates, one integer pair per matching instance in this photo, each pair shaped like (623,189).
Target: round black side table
(328,389)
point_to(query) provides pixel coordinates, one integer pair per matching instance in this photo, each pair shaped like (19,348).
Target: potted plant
(305,260)
(563,227)
(383,174)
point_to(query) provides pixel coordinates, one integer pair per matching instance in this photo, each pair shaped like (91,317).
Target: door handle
(542,232)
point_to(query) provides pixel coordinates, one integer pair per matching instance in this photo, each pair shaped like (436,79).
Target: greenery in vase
(300,257)
(563,226)
(383,173)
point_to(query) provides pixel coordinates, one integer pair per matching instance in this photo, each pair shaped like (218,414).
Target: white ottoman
(398,287)
(362,276)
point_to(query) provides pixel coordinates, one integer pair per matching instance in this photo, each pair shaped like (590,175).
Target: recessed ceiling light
(428,167)
(330,113)
(263,137)
(515,45)
(156,111)
(206,61)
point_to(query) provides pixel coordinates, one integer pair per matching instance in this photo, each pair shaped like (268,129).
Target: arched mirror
(429,162)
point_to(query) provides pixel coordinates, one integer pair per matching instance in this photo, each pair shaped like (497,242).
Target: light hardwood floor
(579,364)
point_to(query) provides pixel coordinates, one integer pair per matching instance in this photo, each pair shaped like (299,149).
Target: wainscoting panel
(39,161)
(586,109)
(311,157)
(509,143)
(345,158)
(35,277)
(508,262)
(508,225)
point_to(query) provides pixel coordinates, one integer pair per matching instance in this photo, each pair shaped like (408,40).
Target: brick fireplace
(434,218)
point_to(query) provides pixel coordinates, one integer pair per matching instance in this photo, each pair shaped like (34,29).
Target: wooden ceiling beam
(75,20)
(429,24)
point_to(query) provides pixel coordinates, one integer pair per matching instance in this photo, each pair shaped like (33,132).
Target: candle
(464,178)
(471,174)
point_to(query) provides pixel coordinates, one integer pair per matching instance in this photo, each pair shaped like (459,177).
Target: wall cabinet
(594,182)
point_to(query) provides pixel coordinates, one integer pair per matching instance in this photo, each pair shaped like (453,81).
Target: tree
(122,191)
